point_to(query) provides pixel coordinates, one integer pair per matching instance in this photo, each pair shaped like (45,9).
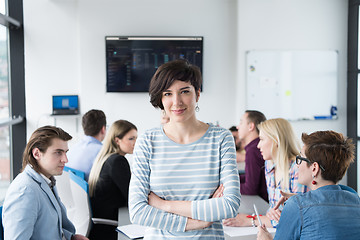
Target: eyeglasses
(299,159)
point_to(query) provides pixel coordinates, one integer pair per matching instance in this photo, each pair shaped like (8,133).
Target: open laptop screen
(65,104)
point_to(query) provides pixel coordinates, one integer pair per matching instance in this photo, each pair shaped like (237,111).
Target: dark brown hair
(41,139)
(233,129)
(255,117)
(93,121)
(169,72)
(331,150)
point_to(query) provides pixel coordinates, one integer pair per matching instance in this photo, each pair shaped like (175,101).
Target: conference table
(246,207)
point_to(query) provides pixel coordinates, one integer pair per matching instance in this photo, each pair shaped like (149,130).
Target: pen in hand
(257,215)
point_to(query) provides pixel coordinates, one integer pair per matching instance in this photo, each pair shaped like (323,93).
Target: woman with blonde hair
(110,177)
(279,148)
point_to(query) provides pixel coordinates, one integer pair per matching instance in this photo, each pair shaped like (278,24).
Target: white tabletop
(247,201)
(246,206)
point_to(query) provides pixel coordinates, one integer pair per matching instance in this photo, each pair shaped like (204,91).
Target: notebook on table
(132,231)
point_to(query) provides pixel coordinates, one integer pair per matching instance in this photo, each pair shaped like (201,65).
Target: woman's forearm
(193,224)
(264,220)
(242,220)
(182,208)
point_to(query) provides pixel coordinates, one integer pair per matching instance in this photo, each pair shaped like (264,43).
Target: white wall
(65,51)
(294,25)
(51,57)
(82,26)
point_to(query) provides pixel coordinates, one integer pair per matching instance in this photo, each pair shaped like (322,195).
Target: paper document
(133,231)
(243,231)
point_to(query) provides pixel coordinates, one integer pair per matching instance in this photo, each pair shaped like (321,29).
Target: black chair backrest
(1,226)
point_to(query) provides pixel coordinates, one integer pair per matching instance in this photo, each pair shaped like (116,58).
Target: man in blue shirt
(82,155)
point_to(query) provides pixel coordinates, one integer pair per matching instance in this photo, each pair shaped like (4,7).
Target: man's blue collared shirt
(82,155)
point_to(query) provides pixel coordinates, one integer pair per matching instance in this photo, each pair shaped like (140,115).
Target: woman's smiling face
(179,101)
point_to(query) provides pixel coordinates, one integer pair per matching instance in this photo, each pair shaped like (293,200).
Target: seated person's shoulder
(115,160)
(23,189)
(23,180)
(294,203)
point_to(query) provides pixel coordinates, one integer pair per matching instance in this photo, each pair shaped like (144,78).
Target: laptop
(65,105)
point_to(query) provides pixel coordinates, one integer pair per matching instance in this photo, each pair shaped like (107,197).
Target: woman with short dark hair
(328,211)
(178,166)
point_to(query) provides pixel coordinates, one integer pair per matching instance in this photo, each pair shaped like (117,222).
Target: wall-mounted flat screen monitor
(132,61)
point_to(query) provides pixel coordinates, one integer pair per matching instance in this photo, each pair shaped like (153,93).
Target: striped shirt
(184,172)
(274,189)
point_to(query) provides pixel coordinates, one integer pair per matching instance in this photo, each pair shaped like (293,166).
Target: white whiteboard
(294,85)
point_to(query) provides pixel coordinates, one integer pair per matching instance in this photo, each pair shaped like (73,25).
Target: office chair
(63,188)
(82,218)
(75,171)
(1,226)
